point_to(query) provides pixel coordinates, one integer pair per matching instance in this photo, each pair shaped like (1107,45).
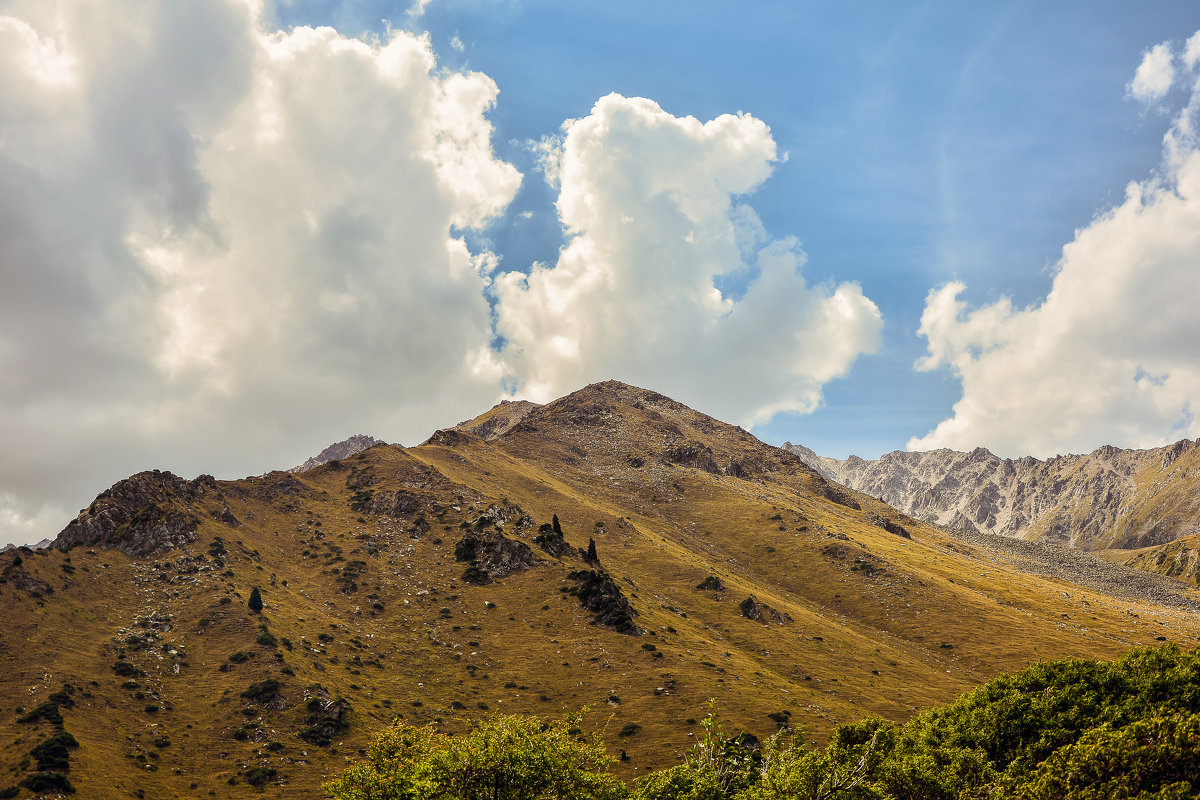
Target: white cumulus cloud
(1110,355)
(652,206)
(225,246)
(1154,75)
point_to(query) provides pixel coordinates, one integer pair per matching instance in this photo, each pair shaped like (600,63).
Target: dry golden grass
(879,624)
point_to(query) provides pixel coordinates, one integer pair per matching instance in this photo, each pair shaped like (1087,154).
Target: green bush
(124,669)
(54,753)
(48,783)
(263,692)
(260,776)
(500,758)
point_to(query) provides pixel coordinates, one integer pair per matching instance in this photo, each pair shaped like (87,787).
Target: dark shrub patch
(47,711)
(53,753)
(126,670)
(260,776)
(262,692)
(48,783)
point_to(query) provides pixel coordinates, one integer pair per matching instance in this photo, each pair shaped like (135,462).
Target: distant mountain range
(1110,499)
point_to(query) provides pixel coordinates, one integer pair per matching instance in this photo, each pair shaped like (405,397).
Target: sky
(235,231)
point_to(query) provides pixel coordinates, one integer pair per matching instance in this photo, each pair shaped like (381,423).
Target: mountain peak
(339,450)
(497,420)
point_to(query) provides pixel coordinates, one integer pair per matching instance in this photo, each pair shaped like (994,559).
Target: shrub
(53,754)
(125,670)
(501,757)
(47,711)
(263,692)
(255,602)
(48,783)
(260,776)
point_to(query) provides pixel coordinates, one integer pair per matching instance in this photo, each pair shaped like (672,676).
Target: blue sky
(925,141)
(233,236)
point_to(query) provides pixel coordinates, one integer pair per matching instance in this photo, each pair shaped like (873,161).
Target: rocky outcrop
(1110,498)
(752,609)
(498,420)
(137,515)
(339,450)
(602,596)
(492,555)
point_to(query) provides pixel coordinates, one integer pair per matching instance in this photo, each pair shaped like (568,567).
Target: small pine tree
(591,551)
(255,602)
(557,528)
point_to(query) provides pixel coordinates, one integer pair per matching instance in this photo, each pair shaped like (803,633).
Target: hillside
(432,583)
(1107,499)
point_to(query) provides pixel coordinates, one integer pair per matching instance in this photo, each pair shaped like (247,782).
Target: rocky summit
(612,549)
(338,450)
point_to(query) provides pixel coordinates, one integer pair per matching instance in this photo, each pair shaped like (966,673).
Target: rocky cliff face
(1110,498)
(339,450)
(139,515)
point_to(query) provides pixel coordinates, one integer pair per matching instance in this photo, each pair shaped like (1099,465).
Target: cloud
(652,205)
(417,9)
(1154,75)
(227,246)
(223,245)
(1109,356)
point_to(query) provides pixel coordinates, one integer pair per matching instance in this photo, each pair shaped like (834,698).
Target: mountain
(337,451)
(1107,499)
(35,546)
(499,420)
(612,549)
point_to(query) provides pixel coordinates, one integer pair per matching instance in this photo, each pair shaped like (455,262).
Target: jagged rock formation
(1110,498)
(136,515)
(339,450)
(498,420)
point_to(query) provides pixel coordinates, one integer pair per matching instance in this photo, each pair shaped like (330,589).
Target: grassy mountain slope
(428,584)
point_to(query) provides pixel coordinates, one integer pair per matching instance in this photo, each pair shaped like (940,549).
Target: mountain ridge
(612,548)
(1111,498)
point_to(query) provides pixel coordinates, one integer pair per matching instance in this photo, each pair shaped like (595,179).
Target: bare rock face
(753,609)
(1110,498)
(498,420)
(137,517)
(492,556)
(339,450)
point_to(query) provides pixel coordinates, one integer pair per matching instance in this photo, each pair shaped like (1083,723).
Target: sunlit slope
(420,584)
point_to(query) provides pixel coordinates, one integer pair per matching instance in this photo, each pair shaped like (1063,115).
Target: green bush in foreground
(1069,730)
(501,757)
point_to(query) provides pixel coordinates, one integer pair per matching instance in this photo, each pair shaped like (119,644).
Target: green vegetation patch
(1074,729)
